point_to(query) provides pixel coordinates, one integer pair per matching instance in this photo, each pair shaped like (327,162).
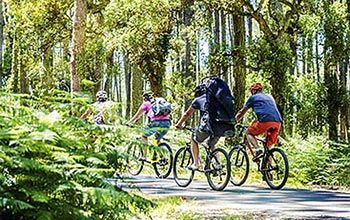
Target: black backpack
(219,101)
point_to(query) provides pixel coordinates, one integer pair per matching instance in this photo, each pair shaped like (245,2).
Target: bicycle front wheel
(239,165)
(163,160)
(182,174)
(218,169)
(276,168)
(135,164)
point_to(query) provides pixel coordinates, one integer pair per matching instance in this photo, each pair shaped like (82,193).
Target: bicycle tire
(180,161)
(239,165)
(135,164)
(163,162)
(267,169)
(212,171)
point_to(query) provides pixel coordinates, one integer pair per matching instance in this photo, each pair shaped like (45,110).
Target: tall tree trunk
(127,85)
(344,99)
(224,44)
(77,45)
(136,94)
(22,73)
(239,71)
(14,78)
(48,65)
(189,73)
(2,24)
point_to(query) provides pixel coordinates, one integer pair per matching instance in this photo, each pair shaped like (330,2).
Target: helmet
(200,90)
(148,95)
(101,96)
(256,87)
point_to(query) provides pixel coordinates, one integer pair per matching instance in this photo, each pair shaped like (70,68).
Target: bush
(55,167)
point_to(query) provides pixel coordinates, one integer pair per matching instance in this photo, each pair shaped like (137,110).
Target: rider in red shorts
(269,118)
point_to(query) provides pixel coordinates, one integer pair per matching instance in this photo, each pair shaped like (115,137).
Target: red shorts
(271,129)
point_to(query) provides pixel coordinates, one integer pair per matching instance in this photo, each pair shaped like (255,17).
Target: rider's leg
(144,149)
(195,152)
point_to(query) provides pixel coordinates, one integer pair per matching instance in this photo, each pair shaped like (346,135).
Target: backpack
(220,101)
(161,107)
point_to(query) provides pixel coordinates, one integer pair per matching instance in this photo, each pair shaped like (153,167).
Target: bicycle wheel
(164,160)
(218,169)
(276,168)
(182,175)
(239,165)
(135,164)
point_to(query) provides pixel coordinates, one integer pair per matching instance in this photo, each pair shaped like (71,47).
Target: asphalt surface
(285,203)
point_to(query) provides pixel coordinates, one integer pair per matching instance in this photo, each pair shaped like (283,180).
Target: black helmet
(101,96)
(148,95)
(200,90)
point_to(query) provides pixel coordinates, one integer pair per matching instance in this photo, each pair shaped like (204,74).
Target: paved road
(292,203)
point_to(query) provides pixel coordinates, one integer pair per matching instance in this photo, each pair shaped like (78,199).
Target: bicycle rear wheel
(164,160)
(135,164)
(276,168)
(182,174)
(218,169)
(239,165)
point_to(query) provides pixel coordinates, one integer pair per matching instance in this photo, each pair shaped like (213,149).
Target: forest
(56,55)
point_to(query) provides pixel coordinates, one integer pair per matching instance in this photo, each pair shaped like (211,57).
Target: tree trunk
(2,24)
(189,73)
(14,78)
(77,44)
(136,94)
(48,64)
(22,73)
(239,71)
(224,44)
(344,99)
(127,85)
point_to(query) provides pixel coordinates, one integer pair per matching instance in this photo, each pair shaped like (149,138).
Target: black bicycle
(273,166)
(161,159)
(216,168)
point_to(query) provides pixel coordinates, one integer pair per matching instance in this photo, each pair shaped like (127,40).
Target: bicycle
(161,160)
(274,165)
(217,166)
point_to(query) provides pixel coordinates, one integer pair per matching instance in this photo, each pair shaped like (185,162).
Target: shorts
(199,137)
(270,128)
(157,128)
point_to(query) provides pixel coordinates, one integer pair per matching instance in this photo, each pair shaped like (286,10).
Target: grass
(181,209)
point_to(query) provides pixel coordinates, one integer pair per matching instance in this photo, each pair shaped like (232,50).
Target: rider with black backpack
(214,100)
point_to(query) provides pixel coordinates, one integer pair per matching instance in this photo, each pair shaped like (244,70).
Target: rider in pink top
(146,107)
(157,125)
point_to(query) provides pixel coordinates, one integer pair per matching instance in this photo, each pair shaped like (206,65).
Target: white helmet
(101,96)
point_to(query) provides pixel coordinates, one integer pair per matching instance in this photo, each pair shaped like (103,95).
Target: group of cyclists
(208,130)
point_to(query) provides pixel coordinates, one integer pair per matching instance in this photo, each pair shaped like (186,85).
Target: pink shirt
(146,107)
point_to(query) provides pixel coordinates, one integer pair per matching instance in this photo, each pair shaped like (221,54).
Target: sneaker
(193,167)
(258,154)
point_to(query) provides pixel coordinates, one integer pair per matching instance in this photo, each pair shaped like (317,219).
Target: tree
(77,44)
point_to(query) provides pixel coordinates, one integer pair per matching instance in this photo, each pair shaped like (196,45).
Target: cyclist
(99,109)
(202,131)
(269,118)
(157,125)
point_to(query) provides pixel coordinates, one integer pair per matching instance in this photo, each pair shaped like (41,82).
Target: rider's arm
(185,116)
(136,117)
(86,114)
(241,113)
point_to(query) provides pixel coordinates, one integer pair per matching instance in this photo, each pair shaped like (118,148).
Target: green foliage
(55,167)
(318,161)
